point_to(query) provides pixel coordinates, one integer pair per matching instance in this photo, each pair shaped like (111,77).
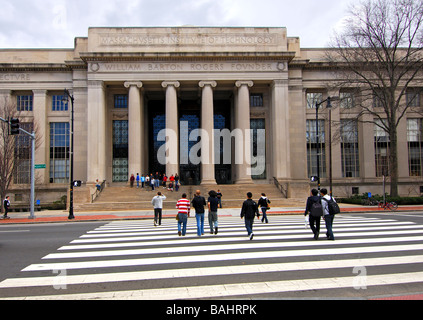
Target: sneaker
(251,236)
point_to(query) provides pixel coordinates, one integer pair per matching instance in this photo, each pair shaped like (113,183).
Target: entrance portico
(206,66)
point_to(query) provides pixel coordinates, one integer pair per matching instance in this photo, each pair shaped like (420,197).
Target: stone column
(172,127)
(243,127)
(135,128)
(96,142)
(40,121)
(207,124)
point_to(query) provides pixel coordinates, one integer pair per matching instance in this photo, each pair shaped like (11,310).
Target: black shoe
(316,236)
(215,231)
(251,236)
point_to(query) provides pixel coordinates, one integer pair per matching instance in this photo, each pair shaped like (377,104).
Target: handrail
(98,191)
(281,188)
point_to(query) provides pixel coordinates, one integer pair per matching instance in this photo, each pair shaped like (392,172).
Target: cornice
(28,67)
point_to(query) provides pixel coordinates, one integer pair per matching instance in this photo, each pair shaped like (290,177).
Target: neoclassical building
(130,84)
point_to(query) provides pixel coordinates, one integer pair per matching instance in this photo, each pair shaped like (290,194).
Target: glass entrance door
(120,151)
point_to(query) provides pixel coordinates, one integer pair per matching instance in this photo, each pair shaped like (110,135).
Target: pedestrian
(249,211)
(198,204)
(142,181)
(131,181)
(183,206)
(177,182)
(326,216)
(314,209)
(153,183)
(219,197)
(212,204)
(6,206)
(157,203)
(138,180)
(264,204)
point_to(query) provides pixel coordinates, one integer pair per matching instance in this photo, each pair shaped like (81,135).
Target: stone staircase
(117,198)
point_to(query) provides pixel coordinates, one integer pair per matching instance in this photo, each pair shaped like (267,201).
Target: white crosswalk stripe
(160,265)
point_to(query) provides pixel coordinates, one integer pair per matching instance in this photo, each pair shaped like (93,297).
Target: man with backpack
(314,208)
(330,208)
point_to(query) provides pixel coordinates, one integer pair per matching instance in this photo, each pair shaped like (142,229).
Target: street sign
(40,166)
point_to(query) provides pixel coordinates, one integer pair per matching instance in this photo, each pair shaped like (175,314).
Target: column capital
(239,84)
(133,83)
(175,84)
(202,84)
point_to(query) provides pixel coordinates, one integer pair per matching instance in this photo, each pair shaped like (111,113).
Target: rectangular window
(23,146)
(120,151)
(413,98)
(415,146)
(349,149)
(58,104)
(25,103)
(382,145)
(347,100)
(256,100)
(258,148)
(313,98)
(121,101)
(59,152)
(316,153)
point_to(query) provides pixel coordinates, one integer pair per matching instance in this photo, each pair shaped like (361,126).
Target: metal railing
(99,189)
(281,188)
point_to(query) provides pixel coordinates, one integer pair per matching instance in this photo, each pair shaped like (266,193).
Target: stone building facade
(129,84)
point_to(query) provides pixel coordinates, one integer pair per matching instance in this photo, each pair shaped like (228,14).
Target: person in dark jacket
(313,219)
(249,211)
(198,204)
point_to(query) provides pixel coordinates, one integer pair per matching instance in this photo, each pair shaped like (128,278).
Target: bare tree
(379,57)
(12,154)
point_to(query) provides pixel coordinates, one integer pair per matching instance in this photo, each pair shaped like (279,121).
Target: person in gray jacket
(157,203)
(326,216)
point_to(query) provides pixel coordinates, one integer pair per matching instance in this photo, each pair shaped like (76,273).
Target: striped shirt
(183,206)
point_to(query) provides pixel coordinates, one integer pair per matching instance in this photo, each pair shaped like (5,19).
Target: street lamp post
(329,106)
(66,98)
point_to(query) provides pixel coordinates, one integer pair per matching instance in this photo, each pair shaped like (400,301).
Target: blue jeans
(249,225)
(264,210)
(329,223)
(200,223)
(182,223)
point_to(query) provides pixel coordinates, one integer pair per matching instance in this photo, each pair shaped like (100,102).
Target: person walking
(326,216)
(249,211)
(157,203)
(198,204)
(314,209)
(212,204)
(183,206)
(219,198)
(264,204)
(142,181)
(138,180)
(6,206)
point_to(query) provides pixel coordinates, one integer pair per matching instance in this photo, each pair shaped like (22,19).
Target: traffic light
(14,126)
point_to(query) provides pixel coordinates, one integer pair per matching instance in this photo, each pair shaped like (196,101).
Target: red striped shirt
(183,206)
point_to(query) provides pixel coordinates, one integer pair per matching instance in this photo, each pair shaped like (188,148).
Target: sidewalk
(62,216)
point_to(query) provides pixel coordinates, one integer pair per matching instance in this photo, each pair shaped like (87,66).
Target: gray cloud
(55,23)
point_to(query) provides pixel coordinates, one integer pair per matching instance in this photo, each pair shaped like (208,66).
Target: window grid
(415,147)
(23,146)
(59,152)
(313,98)
(349,149)
(121,101)
(58,104)
(382,150)
(314,148)
(25,103)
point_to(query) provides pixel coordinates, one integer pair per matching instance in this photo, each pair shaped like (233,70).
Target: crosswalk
(126,260)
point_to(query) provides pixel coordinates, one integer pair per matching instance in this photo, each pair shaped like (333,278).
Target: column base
(244,181)
(205,182)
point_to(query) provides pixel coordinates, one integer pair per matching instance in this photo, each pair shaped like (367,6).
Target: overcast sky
(55,23)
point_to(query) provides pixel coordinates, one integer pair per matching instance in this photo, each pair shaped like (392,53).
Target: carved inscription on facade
(15,77)
(191,40)
(189,67)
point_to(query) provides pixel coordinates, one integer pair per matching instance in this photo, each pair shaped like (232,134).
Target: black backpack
(316,209)
(333,207)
